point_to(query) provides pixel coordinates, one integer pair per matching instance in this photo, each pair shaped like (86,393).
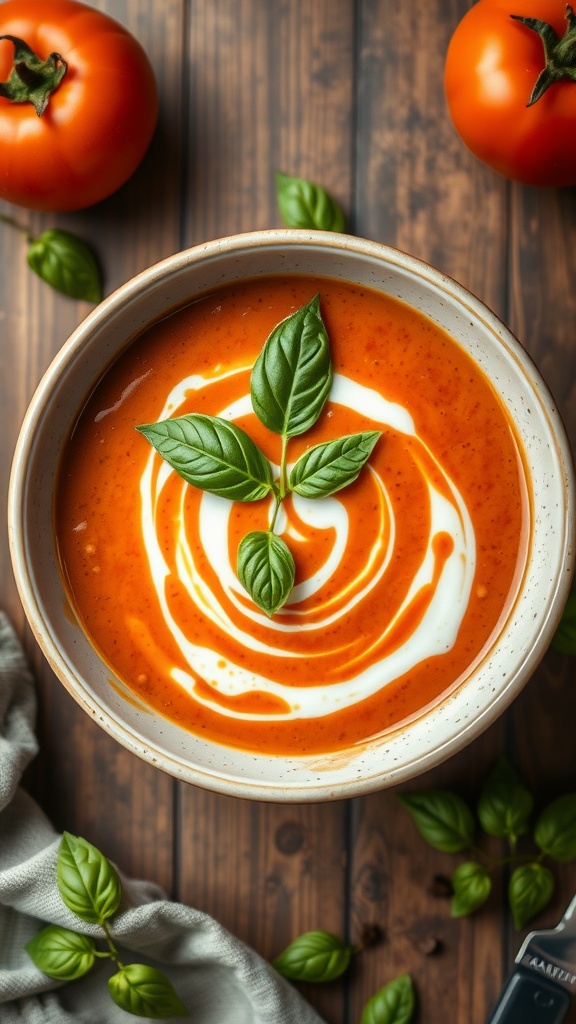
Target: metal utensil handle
(528,999)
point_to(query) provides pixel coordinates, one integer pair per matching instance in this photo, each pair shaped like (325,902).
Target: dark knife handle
(529,999)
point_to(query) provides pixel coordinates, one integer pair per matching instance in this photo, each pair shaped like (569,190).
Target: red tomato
(492,65)
(98,121)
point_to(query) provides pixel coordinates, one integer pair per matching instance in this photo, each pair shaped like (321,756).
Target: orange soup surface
(402,579)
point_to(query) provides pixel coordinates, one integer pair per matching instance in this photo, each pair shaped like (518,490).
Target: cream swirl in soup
(444,575)
(402,578)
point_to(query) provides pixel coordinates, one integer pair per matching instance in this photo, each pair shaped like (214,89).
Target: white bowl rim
(282,792)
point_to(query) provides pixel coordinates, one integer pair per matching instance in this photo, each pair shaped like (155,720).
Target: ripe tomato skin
(99,121)
(492,64)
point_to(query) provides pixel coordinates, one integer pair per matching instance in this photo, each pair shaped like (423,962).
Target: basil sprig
(289,386)
(303,204)
(90,887)
(504,810)
(62,260)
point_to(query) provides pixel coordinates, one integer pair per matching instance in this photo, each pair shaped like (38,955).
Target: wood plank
(271,88)
(542,314)
(419,189)
(85,781)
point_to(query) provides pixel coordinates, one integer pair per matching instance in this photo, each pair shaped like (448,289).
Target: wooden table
(348,94)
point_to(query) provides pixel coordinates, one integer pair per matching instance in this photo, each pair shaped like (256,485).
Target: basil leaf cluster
(90,887)
(289,386)
(503,810)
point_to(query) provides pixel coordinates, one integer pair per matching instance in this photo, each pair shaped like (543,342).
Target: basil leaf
(530,890)
(292,377)
(505,805)
(213,454)
(329,467)
(61,953)
(314,956)
(393,1004)
(564,639)
(555,831)
(66,263)
(471,884)
(145,992)
(88,883)
(303,204)
(442,818)
(266,569)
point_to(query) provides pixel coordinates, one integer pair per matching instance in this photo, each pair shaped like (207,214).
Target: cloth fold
(219,978)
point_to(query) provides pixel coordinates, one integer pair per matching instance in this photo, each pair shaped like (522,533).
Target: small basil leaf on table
(66,263)
(529,891)
(266,569)
(564,639)
(505,805)
(393,1004)
(314,957)
(326,468)
(303,204)
(61,953)
(443,819)
(145,992)
(471,884)
(292,377)
(213,454)
(555,830)
(88,883)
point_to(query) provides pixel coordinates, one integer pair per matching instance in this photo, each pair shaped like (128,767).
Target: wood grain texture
(349,94)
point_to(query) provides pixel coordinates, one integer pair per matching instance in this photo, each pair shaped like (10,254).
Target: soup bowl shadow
(439,730)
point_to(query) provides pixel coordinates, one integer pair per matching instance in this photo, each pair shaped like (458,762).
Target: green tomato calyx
(559,54)
(32,80)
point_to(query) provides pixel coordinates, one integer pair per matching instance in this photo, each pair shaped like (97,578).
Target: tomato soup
(403,578)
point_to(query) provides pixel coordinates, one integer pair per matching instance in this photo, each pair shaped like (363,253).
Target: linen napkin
(219,978)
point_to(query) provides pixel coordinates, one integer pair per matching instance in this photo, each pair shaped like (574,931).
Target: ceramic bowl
(438,732)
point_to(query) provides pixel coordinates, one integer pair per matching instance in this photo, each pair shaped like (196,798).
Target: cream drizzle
(434,635)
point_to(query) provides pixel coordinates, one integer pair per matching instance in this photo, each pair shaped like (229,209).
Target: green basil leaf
(213,454)
(145,992)
(266,569)
(314,956)
(61,953)
(505,805)
(88,883)
(67,264)
(292,377)
(471,884)
(329,467)
(530,890)
(303,204)
(564,639)
(443,819)
(393,1004)
(555,830)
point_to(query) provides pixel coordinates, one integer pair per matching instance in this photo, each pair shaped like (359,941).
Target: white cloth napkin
(219,978)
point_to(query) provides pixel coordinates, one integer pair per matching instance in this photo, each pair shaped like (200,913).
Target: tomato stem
(32,80)
(559,54)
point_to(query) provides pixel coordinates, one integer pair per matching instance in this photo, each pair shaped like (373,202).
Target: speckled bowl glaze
(444,728)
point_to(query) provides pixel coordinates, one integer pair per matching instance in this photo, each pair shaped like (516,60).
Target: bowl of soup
(291,516)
